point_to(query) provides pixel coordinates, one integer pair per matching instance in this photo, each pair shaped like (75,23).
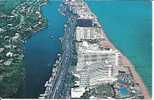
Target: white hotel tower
(95,65)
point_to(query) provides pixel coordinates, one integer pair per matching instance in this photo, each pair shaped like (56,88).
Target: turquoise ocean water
(127,24)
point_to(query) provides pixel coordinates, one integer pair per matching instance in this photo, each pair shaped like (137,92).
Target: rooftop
(77,92)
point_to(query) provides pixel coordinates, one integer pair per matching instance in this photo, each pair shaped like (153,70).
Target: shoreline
(126,62)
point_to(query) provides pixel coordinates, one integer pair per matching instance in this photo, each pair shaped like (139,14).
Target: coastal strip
(127,63)
(136,77)
(99,66)
(80,8)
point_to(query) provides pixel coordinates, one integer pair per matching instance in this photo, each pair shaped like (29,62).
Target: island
(18,19)
(90,66)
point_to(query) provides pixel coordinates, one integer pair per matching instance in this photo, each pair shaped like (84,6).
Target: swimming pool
(123,91)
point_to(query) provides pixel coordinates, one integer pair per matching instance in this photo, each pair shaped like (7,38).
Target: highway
(66,59)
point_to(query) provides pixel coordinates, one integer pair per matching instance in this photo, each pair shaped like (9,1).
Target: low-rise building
(8,62)
(88,33)
(1,50)
(77,92)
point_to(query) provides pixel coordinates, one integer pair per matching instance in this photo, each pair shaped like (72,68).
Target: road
(66,59)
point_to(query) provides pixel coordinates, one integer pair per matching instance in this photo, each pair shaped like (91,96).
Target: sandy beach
(126,62)
(105,42)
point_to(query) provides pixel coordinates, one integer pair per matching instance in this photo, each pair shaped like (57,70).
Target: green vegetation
(18,18)
(6,6)
(12,78)
(100,91)
(104,90)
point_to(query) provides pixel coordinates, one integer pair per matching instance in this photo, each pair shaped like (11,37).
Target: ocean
(127,24)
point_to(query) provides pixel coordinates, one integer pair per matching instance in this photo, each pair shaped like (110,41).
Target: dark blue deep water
(41,50)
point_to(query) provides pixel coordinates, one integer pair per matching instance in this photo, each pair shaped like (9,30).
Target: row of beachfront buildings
(97,63)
